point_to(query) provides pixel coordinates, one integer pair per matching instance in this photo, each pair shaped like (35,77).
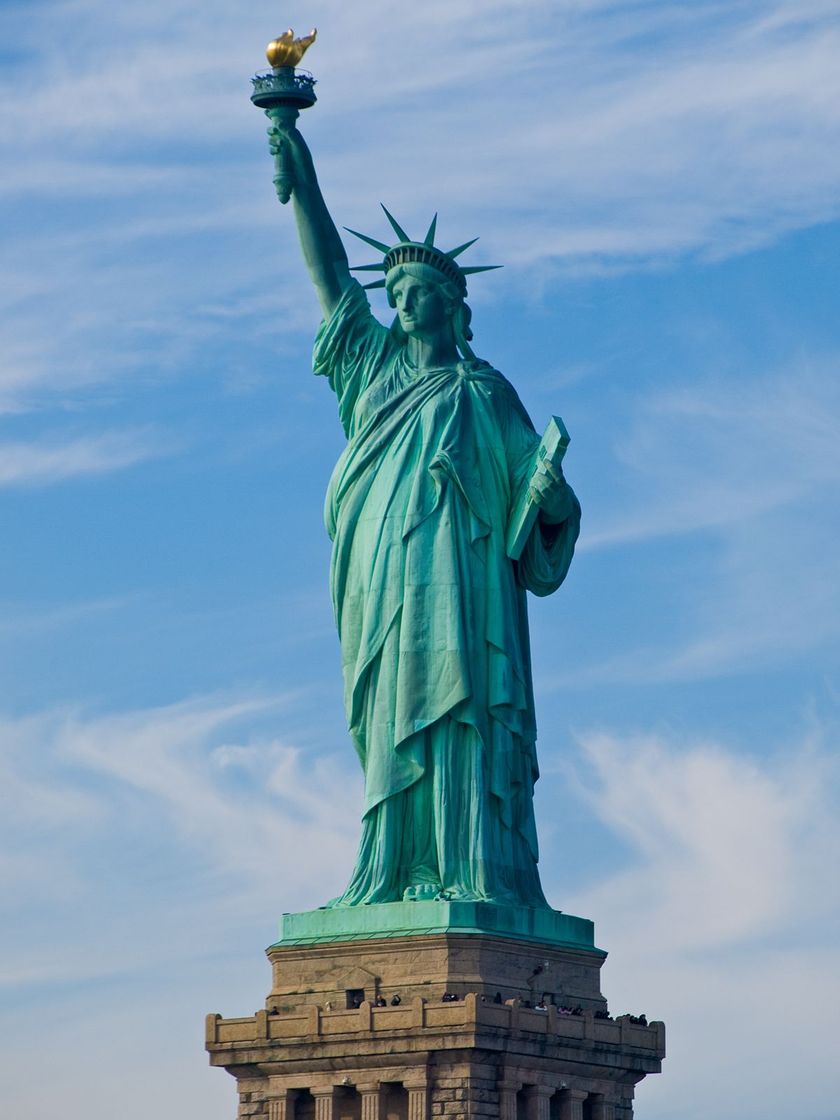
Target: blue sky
(662,183)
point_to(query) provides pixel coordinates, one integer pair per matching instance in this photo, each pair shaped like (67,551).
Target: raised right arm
(320,243)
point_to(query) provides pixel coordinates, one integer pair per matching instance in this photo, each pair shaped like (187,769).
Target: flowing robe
(432,617)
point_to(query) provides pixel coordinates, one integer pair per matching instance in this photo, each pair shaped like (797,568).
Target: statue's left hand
(549,489)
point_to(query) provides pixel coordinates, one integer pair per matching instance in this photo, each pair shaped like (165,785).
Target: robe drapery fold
(431,614)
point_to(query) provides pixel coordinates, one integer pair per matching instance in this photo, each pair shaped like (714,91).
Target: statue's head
(420,269)
(427,301)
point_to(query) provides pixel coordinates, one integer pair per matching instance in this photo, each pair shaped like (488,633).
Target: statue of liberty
(430,608)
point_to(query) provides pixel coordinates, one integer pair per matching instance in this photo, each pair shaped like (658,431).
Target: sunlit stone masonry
(457,1021)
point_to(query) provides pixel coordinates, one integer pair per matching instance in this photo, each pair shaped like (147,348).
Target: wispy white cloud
(41,463)
(17,621)
(140,299)
(87,178)
(158,847)
(748,468)
(725,917)
(773,597)
(723,452)
(651,131)
(718,924)
(174,756)
(240,805)
(730,848)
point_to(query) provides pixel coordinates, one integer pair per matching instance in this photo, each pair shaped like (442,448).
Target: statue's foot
(458,894)
(463,894)
(421,892)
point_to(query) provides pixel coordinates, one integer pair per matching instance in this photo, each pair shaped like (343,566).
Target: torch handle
(283,117)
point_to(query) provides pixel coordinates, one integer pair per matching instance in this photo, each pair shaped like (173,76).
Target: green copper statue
(430,607)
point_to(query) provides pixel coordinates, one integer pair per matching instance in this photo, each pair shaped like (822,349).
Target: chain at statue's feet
(433,892)
(422,892)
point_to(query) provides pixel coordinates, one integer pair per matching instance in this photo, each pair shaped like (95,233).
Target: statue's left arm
(548,552)
(553,495)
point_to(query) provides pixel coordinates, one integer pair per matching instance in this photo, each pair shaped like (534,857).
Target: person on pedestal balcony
(430,609)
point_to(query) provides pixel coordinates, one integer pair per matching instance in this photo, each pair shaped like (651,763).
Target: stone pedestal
(356,1028)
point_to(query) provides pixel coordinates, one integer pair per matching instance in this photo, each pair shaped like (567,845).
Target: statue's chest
(397,395)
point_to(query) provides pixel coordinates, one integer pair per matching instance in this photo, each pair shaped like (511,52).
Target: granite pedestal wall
(326,1048)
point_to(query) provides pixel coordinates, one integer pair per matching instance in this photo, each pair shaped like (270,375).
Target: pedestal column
(539,1102)
(602,1109)
(507,1099)
(281,1106)
(571,1104)
(324,1103)
(418,1100)
(371,1096)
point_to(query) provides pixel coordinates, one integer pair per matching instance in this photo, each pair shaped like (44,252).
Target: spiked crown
(426,252)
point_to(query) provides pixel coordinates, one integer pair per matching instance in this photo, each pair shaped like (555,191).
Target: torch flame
(286,50)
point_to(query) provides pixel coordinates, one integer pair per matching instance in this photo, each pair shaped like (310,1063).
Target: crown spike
(395,225)
(370,240)
(453,253)
(423,252)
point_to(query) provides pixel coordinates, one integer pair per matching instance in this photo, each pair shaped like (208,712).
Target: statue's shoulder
(478,370)
(497,385)
(352,332)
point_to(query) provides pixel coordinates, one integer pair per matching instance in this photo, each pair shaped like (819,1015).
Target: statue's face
(420,306)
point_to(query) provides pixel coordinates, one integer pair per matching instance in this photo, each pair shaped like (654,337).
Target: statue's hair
(451,292)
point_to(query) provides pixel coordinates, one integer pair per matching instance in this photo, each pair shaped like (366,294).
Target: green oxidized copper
(282,94)
(441,458)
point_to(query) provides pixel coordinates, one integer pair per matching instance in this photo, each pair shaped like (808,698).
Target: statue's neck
(431,353)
